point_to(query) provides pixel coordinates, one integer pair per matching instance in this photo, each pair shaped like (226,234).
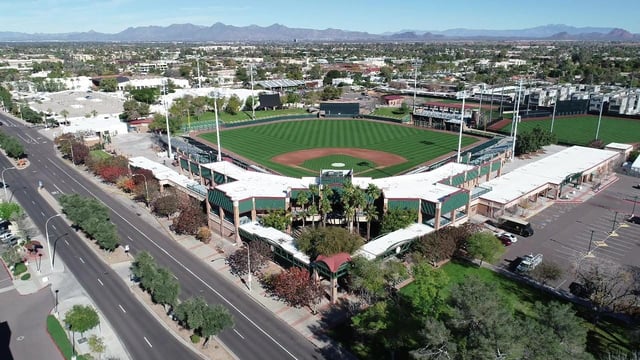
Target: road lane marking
(54,227)
(100,281)
(121,308)
(66,242)
(236,331)
(147,340)
(43,215)
(33,202)
(56,186)
(168,254)
(129,237)
(82,261)
(175,277)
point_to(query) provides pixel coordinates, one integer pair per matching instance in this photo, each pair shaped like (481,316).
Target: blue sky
(374,16)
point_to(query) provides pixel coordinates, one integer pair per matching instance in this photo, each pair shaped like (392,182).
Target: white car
(506,237)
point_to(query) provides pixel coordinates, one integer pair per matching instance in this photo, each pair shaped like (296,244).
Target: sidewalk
(66,289)
(312,327)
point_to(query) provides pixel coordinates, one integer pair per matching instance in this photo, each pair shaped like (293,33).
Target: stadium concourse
(447,195)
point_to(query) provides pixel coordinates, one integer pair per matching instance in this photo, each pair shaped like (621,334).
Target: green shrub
(195,338)
(26,276)
(19,269)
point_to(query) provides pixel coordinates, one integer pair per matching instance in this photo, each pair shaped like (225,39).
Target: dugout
(343,109)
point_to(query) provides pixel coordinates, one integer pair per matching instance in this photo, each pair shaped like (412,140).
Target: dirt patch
(380,158)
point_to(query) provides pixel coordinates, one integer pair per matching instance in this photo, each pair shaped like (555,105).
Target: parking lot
(567,233)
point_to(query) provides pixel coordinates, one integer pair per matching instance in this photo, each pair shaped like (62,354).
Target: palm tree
(372,194)
(64,114)
(303,199)
(371,212)
(325,204)
(359,201)
(312,211)
(348,195)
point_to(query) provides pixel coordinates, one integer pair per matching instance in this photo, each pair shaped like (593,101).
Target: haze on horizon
(373,16)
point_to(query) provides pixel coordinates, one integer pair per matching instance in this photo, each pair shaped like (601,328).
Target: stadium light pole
(415,83)
(461,124)
(215,110)
(166,116)
(253,98)
(480,105)
(553,116)
(600,117)
(516,119)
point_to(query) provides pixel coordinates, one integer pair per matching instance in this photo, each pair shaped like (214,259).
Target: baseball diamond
(372,148)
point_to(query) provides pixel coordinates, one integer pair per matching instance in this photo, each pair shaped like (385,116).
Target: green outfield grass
(580,130)
(246,115)
(262,143)
(350,162)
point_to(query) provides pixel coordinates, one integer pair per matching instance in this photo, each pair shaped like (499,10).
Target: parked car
(529,262)
(5,235)
(507,238)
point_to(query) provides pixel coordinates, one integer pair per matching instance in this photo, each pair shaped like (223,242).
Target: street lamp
(6,197)
(146,188)
(56,300)
(46,231)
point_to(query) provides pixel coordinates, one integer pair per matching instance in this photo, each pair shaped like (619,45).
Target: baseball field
(580,130)
(370,148)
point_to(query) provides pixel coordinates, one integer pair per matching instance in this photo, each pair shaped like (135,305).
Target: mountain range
(220,32)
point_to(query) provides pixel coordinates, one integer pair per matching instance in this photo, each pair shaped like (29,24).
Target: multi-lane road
(258,334)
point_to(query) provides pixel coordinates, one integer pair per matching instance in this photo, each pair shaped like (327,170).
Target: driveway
(23,326)
(566,233)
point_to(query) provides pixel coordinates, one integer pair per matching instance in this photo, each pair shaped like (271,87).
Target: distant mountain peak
(278,32)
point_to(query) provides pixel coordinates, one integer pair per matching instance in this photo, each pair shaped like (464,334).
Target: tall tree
(165,288)
(428,299)
(484,246)
(81,318)
(481,321)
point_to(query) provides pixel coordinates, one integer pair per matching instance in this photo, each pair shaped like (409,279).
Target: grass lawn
(245,115)
(101,154)
(388,112)
(262,143)
(605,336)
(580,130)
(59,336)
